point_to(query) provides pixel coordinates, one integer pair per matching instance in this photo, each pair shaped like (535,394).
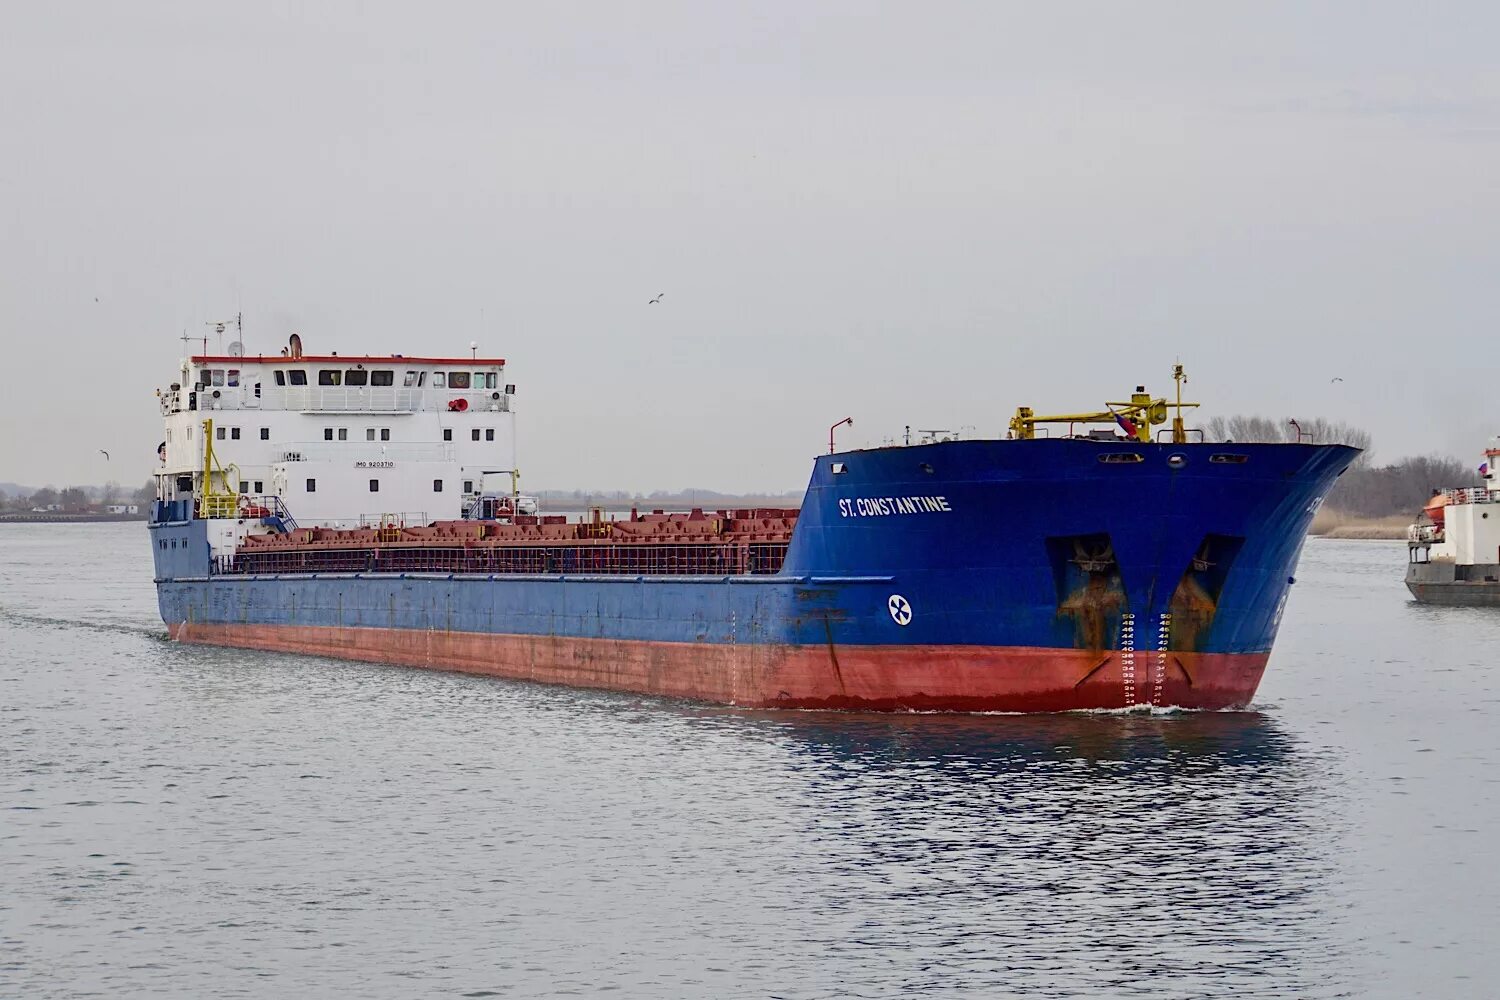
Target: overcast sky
(908,213)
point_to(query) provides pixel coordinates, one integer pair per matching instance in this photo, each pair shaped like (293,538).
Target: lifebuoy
(460,405)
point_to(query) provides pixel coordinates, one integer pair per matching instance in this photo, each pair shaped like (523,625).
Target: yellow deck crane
(1136,417)
(221,499)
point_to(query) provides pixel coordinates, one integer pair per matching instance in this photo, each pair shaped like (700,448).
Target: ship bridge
(340,437)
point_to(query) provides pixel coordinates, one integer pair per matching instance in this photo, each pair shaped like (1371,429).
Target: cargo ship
(1453,549)
(368,508)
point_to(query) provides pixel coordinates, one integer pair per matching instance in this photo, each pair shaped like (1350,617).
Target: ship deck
(724,543)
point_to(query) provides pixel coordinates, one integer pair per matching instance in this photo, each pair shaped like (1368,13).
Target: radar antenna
(238,322)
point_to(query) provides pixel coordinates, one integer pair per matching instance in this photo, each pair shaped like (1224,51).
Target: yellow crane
(1136,417)
(221,500)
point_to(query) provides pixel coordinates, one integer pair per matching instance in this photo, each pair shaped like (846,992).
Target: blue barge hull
(967,575)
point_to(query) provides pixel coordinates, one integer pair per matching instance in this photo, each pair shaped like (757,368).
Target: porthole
(1176,461)
(1120,458)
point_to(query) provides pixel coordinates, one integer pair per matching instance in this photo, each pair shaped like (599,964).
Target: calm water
(190,822)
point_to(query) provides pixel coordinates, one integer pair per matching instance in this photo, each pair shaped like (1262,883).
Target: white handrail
(1472,494)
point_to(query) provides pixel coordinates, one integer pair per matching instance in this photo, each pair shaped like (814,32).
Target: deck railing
(1472,494)
(330,399)
(231,506)
(735,559)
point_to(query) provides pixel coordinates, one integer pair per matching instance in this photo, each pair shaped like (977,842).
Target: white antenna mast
(239,329)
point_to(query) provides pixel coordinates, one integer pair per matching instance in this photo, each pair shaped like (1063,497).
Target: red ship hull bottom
(867,678)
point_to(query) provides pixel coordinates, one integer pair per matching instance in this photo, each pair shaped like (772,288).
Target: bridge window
(369,434)
(218,376)
(411,379)
(374,486)
(475,433)
(329,376)
(437,380)
(280,377)
(234,433)
(458,380)
(312,486)
(343,433)
(260,486)
(298,376)
(468,486)
(489,433)
(437,486)
(447,433)
(385,433)
(383,377)
(265,433)
(244,486)
(219,433)
(233,376)
(356,376)
(328,434)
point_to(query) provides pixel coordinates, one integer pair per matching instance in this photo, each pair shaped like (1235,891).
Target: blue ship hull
(971,575)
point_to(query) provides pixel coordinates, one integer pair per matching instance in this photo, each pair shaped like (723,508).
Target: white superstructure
(1461,525)
(341,440)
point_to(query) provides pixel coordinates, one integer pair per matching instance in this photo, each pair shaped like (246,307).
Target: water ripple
(197,822)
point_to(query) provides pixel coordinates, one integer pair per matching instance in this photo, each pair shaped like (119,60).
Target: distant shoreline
(54,518)
(1338,524)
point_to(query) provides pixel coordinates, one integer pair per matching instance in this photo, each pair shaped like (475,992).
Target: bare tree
(74,499)
(109,493)
(1265,430)
(1402,488)
(1365,490)
(1320,431)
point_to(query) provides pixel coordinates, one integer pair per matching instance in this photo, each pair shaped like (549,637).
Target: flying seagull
(1333,380)
(105,454)
(657,299)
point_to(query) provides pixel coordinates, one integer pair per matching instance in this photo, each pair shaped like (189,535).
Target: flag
(1126,424)
(1484,468)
